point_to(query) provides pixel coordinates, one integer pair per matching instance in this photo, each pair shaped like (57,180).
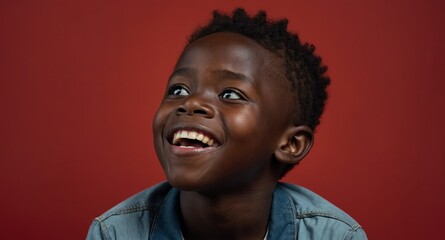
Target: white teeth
(184,134)
(200,137)
(191,135)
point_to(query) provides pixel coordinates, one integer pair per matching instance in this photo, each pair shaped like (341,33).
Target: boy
(238,113)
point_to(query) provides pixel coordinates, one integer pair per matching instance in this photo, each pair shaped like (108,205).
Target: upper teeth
(193,135)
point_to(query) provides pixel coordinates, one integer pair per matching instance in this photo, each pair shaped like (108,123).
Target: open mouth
(193,139)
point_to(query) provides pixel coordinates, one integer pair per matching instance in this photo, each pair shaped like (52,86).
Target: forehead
(232,52)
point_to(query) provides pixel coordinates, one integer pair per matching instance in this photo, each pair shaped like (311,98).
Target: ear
(294,144)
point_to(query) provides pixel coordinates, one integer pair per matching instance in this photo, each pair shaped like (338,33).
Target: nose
(196,105)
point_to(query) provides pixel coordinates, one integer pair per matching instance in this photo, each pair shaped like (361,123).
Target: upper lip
(193,127)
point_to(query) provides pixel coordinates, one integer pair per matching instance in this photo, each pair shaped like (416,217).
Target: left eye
(229,94)
(178,90)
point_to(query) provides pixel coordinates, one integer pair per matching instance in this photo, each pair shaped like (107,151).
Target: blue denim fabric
(297,213)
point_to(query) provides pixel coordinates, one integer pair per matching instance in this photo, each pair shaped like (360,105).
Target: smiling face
(223,115)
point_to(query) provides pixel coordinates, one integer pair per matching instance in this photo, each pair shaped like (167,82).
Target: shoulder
(147,199)
(133,215)
(315,215)
(309,204)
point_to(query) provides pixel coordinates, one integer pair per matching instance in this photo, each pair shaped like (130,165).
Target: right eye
(178,90)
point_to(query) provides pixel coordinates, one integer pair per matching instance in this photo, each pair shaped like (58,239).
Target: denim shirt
(296,213)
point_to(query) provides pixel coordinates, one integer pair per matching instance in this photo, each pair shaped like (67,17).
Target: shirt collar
(167,220)
(281,224)
(282,216)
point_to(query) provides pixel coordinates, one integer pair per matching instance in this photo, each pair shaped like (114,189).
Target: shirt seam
(310,214)
(351,234)
(103,229)
(294,211)
(131,209)
(307,214)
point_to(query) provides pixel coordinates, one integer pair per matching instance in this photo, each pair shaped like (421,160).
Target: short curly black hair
(303,68)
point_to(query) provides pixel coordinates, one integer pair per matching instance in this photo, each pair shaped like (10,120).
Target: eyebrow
(227,74)
(230,75)
(220,74)
(188,72)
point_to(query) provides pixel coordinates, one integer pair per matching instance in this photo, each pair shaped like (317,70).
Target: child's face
(223,88)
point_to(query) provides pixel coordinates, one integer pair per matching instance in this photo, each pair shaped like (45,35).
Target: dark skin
(221,87)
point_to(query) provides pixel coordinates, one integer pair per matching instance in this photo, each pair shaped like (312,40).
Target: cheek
(159,120)
(256,128)
(160,117)
(243,124)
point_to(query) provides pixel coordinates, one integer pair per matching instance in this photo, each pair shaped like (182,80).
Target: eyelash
(238,94)
(174,88)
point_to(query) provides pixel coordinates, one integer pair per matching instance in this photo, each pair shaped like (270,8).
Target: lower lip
(190,150)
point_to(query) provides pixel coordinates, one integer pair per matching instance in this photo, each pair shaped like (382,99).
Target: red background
(81,80)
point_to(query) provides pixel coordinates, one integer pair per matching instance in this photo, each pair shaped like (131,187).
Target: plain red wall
(81,80)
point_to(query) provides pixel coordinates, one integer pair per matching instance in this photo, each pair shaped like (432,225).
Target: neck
(240,215)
